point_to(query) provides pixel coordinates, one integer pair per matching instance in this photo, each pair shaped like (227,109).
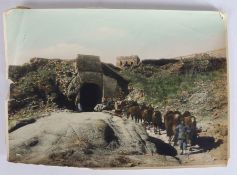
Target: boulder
(76,138)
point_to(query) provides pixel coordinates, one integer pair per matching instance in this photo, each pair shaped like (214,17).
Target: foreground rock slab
(92,139)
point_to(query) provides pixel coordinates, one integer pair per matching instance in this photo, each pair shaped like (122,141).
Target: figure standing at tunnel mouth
(79,107)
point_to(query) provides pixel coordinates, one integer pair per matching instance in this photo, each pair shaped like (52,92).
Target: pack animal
(134,112)
(146,115)
(171,120)
(176,121)
(168,120)
(157,121)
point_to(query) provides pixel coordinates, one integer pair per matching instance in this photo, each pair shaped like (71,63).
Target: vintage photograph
(117,88)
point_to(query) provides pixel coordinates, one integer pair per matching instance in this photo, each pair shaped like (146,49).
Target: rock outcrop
(78,139)
(56,83)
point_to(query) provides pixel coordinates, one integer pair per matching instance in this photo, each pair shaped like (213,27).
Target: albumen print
(116,88)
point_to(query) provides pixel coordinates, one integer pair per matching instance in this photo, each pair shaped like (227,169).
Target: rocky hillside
(46,85)
(195,83)
(39,85)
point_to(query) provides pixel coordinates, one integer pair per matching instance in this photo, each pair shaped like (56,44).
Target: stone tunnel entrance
(90,95)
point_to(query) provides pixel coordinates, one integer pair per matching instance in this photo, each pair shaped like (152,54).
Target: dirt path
(198,156)
(210,151)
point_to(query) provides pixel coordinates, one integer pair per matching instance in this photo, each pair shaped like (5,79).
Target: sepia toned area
(86,113)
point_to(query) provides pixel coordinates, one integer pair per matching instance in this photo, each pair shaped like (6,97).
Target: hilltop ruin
(127,61)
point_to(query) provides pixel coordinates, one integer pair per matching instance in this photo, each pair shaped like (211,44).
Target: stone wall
(109,87)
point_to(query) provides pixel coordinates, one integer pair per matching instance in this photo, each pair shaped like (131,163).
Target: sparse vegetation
(161,86)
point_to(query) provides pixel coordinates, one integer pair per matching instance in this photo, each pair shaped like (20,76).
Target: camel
(157,121)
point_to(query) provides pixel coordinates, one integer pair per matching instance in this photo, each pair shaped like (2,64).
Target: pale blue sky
(110,33)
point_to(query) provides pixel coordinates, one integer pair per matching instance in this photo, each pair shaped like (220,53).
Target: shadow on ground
(207,143)
(163,148)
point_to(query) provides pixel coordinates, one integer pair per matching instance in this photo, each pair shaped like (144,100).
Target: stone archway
(90,96)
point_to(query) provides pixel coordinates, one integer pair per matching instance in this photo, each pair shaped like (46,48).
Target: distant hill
(219,53)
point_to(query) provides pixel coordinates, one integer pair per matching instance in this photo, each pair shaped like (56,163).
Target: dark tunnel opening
(90,96)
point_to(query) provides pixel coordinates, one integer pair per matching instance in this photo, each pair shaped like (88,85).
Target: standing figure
(181,131)
(176,121)
(190,123)
(79,107)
